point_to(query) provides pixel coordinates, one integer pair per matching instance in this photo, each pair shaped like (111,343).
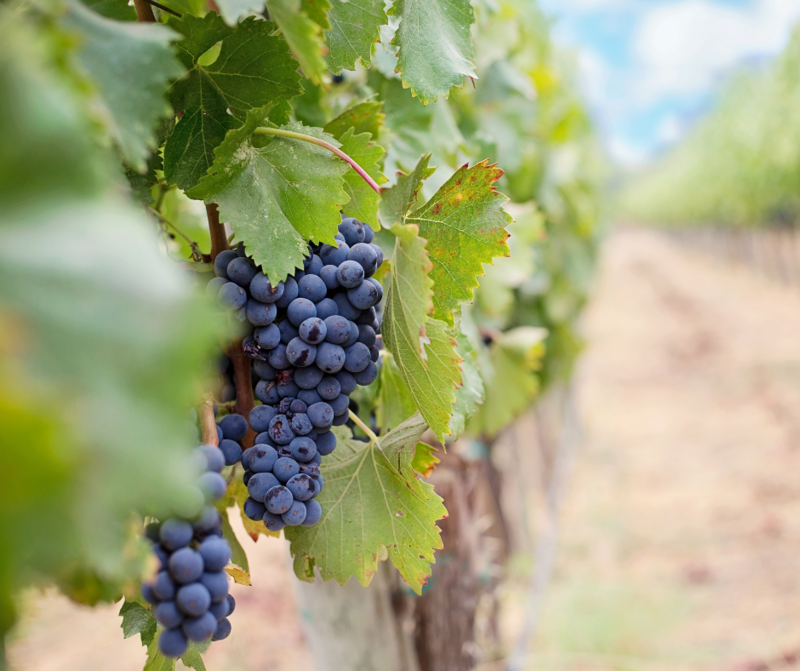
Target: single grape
(366,335)
(223,608)
(357,357)
(214,459)
(284,469)
(288,389)
(222,261)
(161,554)
(309,396)
(267,392)
(326,443)
(340,404)
(260,484)
(242,271)
(313,513)
(231,296)
(168,615)
(337,329)
(246,477)
(193,599)
(367,376)
(297,406)
(364,296)
(279,500)
(352,230)
(261,314)
(295,515)
(313,331)
(273,521)
(327,308)
(313,288)
(185,566)
(300,353)
(264,439)
(333,256)
(280,430)
(262,290)
(232,451)
(347,381)
(321,415)
(223,630)
(231,604)
(328,276)
(254,509)
(207,522)
(212,485)
(303,449)
(290,292)
(200,628)
(301,486)
(299,310)
(175,533)
(340,420)
(330,358)
(277,358)
(369,234)
(172,642)
(263,458)
(346,308)
(350,274)
(301,425)
(216,582)
(260,417)
(365,255)
(262,368)
(216,553)
(378,288)
(148,594)
(319,483)
(374,354)
(164,586)
(234,427)
(308,378)
(329,388)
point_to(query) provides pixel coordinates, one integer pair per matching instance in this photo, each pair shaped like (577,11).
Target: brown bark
(219,241)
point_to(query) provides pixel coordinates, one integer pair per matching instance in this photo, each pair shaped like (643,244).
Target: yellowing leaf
(398,200)
(464,224)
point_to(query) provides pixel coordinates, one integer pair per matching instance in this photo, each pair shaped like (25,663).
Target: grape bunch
(314,340)
(230,432)
(189,594)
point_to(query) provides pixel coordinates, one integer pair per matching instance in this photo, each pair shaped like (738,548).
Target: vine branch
(326,145)
(219,241)
(208,425)
(242,378)
(144,13)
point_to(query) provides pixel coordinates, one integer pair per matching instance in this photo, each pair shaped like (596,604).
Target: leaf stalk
(357,420)
(280,132)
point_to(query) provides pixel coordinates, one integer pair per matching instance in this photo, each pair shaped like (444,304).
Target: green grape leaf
(425,459)
(136,619)
(471,393)
(254,69)
(363,117)
(510,377)
(354,30)
(156,661)
(276,192)
(372,504)
(192,660)
(355,128)
(395,402)
(435,45)
(129,67)
(397,201)
(119,10)
(303,35)
(410,292)
(238,556)
(423,350)
(464,224)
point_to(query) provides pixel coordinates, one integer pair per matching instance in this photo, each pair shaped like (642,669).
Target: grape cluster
(314,340)
(189,594)
(230,432)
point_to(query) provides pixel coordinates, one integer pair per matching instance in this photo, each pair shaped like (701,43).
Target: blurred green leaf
(471,392)
(303,35)
(395,402)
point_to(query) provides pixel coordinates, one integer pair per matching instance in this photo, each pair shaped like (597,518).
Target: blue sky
(649,68)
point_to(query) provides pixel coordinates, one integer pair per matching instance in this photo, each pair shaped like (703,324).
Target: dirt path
(681,536)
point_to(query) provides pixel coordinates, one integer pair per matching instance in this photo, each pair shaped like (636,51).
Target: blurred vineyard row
(740,165)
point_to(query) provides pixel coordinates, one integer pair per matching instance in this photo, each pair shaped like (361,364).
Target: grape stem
(321,143)
(357,420)
(208,425)
(219,240)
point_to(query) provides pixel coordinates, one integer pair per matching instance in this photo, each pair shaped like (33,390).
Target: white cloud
(685,47)
(670,130)
(627,154)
